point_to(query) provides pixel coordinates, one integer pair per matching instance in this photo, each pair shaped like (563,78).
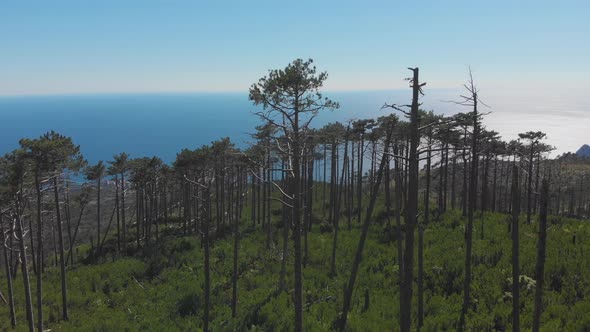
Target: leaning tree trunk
(340,324)
(541,252)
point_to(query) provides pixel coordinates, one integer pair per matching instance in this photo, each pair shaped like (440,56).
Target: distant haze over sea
(163,124)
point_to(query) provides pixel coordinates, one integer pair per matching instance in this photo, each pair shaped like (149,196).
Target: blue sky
(67,47)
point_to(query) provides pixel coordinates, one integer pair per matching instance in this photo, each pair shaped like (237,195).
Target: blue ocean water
(156,124)
(163,124)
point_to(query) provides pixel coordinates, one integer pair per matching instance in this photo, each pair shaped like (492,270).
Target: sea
(164,124)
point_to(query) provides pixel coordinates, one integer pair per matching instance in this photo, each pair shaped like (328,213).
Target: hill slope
(584,151)
(159,288)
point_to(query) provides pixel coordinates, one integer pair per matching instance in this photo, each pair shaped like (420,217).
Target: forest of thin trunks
(406,177)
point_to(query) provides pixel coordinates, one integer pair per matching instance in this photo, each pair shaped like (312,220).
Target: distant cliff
(584,151)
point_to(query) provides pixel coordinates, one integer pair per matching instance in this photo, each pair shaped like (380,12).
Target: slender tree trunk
(453,183)
(253,200)
(465,173)
(484,193)
(398,216)
(324,182)
(207,267)
(530,185)
(118,215)
(446,178)
(421,242)
(359,189)
(337,209)
(97,212)
(494,184)
(8,277)
(341,322)
(351,191)
(138,204)
(412,206)
(286,224)
(32,241)
(515,251)
(234,302)
(470,215)
(388,191)
(67,212)
(40,265)
(298,298)
(24,266)
(541,252)
(62,262)
(537,169)
(309,209)
(71,251)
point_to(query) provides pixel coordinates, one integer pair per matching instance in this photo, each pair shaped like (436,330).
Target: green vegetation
(160,287)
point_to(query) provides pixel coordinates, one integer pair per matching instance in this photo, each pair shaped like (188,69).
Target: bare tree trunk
(421,242)
(351,186)
(398,216)
(515,251)
(494,183)
(530,185)
(359,188)
(8,278)
(286,224)
(324,178)
(541,252)
(309,209)
(97,212)
(118,215)
(337,208)
(62,262)
(465,173)
(470,214)
(341,322)
(67,212)
(207,220)
(412,205)
(234,302)
(298,298)
(40,268)
(453,178)
(70,252)
(25,270)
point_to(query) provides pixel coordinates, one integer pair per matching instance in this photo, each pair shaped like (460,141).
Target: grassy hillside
(159,288)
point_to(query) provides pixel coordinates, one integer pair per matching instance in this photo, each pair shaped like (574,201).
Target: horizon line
(186,92)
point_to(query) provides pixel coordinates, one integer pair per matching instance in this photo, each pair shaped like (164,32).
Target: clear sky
(63,47)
